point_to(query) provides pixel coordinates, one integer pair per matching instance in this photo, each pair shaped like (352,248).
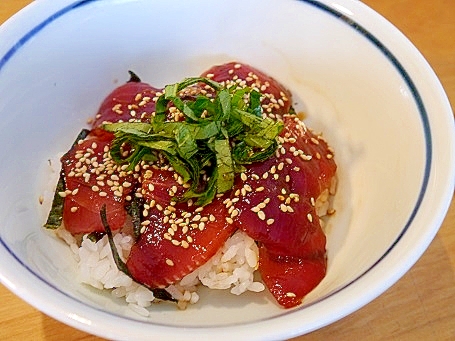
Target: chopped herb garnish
(219,134)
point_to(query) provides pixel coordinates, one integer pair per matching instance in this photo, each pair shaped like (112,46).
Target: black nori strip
(134,209)
(55,217)
(95,236)
(160,294)
(118,261)
(133,77)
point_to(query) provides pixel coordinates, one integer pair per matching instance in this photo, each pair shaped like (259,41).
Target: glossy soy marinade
(274,200)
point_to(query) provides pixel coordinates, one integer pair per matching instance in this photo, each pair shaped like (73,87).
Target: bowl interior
(53,79)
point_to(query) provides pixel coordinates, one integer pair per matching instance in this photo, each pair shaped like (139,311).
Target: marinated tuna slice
(132,101)
(276,98)
(93,179)
(276,200)
(289,279)
(176,238)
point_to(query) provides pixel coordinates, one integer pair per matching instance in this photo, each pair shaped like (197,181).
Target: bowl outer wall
(433,209)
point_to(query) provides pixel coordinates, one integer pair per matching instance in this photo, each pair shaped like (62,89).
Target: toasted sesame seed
(169,262)
(314,140)
(291,294)
(261,215)
(309,217)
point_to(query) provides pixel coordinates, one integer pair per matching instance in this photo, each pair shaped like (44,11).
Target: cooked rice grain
(231,268)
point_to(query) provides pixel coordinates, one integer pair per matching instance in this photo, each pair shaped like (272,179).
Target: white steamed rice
(231,268)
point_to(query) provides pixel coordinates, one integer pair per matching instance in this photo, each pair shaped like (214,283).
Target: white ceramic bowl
(359,79)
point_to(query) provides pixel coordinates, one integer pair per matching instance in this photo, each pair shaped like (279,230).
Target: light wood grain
(421,305)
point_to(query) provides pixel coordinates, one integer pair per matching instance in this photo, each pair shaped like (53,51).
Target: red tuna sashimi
(92,180)
(274,202)
(277,99)
(132,101)
(176,239)
(277,198)
(289,279)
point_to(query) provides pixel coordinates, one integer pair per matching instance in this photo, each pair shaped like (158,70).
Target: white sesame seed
(261,215)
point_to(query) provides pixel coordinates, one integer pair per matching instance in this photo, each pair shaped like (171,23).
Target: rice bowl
(323,94)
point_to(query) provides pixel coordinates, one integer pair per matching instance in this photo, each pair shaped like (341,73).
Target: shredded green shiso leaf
(219,135)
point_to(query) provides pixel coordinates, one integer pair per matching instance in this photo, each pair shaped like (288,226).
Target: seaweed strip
(118,261)
(55,217)
(160,294)
(133,77)
(134,210)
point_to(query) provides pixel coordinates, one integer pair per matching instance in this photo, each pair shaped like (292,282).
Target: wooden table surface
(421,305)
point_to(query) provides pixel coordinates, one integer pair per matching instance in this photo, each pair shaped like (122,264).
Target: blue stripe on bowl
(330,11)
